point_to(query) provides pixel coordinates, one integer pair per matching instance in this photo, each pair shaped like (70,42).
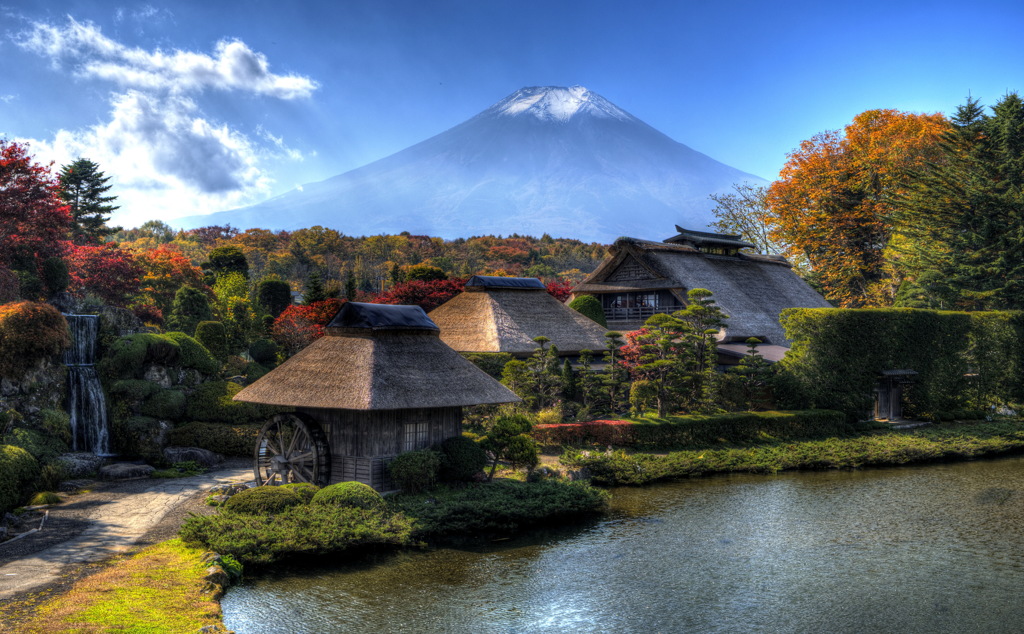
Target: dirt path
(109,520)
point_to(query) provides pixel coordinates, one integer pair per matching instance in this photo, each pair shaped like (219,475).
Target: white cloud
(165,156)
(7,98)
(233,65)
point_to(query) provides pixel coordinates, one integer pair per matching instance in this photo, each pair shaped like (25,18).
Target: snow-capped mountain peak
(556,103)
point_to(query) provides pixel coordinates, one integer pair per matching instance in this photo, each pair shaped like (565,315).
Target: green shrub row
(228,440)
(946,442)
(127,357)
(211,401)
(963,360)
(695,431)
(18,473)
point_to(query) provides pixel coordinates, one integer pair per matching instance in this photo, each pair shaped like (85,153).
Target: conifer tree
(83,187)
(315,291)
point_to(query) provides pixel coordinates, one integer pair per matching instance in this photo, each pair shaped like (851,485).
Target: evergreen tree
(616,377)
(83,187)
(315,291)
(273,296)
(225,260)
(568,381)
(350,286)
(190,307)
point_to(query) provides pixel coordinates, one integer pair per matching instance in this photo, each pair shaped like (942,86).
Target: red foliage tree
(560,289)
(34,221)
(298,326)
(427,295)
(105,270)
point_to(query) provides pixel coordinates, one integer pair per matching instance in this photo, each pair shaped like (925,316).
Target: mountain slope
(563,161)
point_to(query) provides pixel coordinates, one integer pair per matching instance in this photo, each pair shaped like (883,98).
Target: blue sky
(196,107)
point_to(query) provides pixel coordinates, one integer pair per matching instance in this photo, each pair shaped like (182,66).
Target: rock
(74,486)
(125,471)
(158,374)
(80,464)
(120,320)
(238,379)
(204,457)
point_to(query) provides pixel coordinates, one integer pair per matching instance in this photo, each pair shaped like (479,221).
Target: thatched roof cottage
(505,314)
(380,383)
(639,278)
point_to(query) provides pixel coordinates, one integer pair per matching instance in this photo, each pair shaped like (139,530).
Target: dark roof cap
(381,317)
(490,281)
(705,238)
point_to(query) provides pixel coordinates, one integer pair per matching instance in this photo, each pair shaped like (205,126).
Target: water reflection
(925,549)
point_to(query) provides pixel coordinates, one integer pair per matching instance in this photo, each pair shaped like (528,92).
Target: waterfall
(87,404)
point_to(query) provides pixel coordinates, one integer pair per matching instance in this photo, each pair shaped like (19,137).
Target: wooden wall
(362,443)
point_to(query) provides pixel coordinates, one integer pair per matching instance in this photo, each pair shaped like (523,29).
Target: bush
(461,459)
(211,401)
(305,490)
(45,498)
(134,390)
(55,275)
(165,404)
(263,351)
(309,530)
(415,471)
(193,354)
(20,472)
(696,431)
(29,333)
(43,447)
(212,336)
(349,494)
(266,500)
(228,440)
(56,424)
(139,436)
(493,363)
(51,475)
(589,306)
(499,507)
(127,357)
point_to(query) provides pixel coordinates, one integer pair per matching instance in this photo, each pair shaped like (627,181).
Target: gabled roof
(377,357)
(751,289)
(702,239)
(507,318)
(492,281)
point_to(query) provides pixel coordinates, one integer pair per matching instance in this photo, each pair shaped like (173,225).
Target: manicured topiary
(415,471)
(351,494)
(589,306)
(134,389)
(211,401)
(29,333)
(266,500)
(20,470)
(212,336)
(461,459)
(127,357)
(165,404)
(43,447)
(193,354)
(263,351)
(305,490)
(228,440)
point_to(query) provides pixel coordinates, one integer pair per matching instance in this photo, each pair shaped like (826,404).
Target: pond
(935,548)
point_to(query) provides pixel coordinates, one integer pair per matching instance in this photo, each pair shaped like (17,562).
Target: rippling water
(923,549)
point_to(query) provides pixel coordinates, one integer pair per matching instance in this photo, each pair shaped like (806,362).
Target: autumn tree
(962,221)
(105,270)
(833,202)
(165,270)
(34,221)
(84,187)
(745,213)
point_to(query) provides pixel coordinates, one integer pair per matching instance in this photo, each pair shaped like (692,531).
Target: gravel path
(111,519)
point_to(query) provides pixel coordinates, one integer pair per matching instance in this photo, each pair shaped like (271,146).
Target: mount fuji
(562,161)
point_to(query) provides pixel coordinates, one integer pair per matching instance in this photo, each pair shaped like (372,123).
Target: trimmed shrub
(461,459)
(127,357)
(134,390)
(274,296)
(165,404)
(20,472)
(29,333)
(139,436)
(305,490)
(211,401)
(43,447)
(193,354)
(415,471)
(228,440)
(263,351)
(589,306)
(349,494)
(56,424)
(696,431)
(493,363)
(212,336)
(268,500)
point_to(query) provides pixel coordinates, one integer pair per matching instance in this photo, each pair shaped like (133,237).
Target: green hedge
(229,440)
(43,447)
(589,306)
(193,354)
(165,404)
(127,357)
(695,431)
(837,356)
(211,401)
(19,471)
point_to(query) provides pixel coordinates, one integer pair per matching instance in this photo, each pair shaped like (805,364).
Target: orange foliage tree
(833,202)
(165,270)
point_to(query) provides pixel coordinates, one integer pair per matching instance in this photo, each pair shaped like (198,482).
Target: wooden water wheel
(292,448)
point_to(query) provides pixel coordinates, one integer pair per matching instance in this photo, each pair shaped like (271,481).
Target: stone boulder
(80,464)
(203,457)
(125,471)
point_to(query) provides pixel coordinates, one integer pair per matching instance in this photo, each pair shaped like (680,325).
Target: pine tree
(315,291)
(82,187)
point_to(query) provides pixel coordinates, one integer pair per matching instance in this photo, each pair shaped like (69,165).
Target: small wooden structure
(889,393)
(505,314)
(379,383)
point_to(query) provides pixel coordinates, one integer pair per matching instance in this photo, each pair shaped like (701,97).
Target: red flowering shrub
(427,295)
(298,326)
(29,332)
(107,271)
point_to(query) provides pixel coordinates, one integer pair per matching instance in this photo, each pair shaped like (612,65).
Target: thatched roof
(377,357)
(506,314)
(751,289)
